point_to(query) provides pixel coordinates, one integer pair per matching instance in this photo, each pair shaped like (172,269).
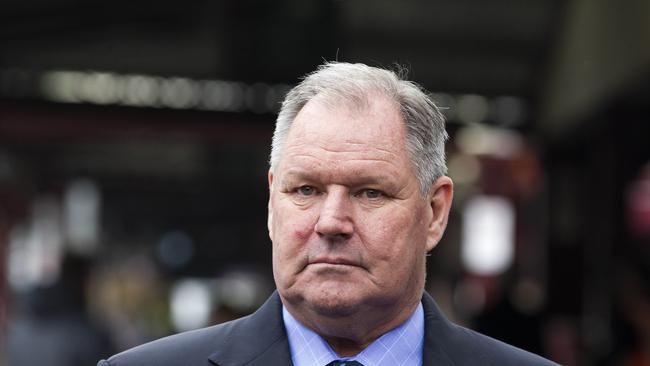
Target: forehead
(375,122)
(334,141)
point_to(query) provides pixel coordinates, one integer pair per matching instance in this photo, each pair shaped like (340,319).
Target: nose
(335,220)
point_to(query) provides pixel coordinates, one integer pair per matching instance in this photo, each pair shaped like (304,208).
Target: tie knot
(344,363)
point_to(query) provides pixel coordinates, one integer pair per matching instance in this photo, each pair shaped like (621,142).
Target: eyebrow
(357,180)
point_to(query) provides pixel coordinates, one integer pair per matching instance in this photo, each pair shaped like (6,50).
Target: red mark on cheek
(299,228)
(302,233)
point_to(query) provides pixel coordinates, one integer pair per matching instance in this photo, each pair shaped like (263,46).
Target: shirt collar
(400,346)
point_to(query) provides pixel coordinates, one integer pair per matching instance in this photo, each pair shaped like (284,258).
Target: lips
(335,261)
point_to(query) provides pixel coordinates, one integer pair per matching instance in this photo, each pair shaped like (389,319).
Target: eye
(371,193)
(306,190)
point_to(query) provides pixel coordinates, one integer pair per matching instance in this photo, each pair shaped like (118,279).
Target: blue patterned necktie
(344,363)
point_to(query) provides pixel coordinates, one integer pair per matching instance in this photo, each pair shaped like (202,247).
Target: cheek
(291,228)
(396,237)
(301,232)
(297,225)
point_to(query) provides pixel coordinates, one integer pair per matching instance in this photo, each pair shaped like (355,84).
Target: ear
(439,200)
(269,219)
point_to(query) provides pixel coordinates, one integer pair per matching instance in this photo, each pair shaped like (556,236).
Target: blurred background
(134,138)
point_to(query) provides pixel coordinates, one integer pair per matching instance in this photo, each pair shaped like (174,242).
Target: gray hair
(425,125)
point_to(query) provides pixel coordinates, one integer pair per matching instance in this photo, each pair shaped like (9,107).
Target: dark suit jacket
(260,339)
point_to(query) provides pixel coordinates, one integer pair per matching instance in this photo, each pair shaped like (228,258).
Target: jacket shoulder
(256,339)
(480,349)
(451,344)
(190,348)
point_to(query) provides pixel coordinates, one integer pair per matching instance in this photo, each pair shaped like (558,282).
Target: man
(358,197)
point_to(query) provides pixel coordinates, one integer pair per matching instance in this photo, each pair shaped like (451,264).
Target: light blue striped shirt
(400,346)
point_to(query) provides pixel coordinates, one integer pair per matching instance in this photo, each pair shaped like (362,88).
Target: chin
(333,304)
(336,310)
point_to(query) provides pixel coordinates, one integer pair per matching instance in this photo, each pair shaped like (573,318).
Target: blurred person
(358,197)
(55,326)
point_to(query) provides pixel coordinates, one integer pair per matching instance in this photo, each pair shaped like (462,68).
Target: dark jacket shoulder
(176,349)
(458,345)
(480,349)
(250,340)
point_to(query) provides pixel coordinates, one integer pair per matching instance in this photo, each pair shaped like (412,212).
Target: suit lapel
(436,333)
(259,339)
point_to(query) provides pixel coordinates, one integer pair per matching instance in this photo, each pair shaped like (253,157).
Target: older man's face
(349,226)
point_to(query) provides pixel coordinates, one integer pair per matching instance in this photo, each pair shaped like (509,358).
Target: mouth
(334,262)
